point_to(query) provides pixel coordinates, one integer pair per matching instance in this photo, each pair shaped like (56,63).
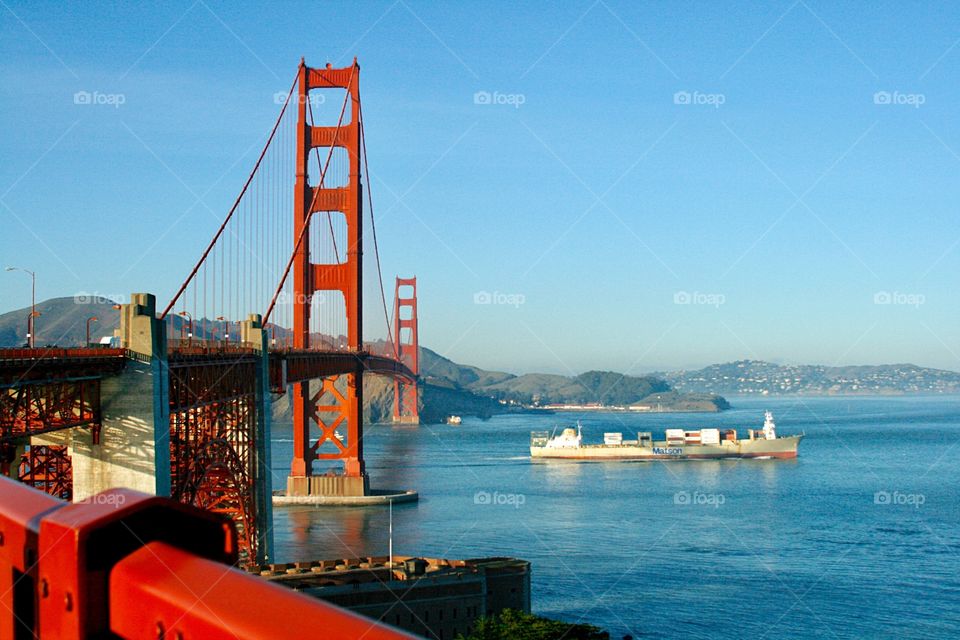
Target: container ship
(678,445)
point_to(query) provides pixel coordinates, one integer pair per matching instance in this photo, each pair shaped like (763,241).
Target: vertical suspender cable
(373,226)
(236,202)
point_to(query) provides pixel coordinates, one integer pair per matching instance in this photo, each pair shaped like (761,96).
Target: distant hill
(605,387)
(434,367)
(62,321)
(759,377)
(685,401)
(447,387)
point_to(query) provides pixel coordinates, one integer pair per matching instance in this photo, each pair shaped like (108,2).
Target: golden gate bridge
(181,409)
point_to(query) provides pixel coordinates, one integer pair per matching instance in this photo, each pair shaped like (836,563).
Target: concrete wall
(253,334)
(134,449)
(130,440)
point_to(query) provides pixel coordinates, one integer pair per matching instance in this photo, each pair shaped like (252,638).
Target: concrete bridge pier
(253,334)
(134,447)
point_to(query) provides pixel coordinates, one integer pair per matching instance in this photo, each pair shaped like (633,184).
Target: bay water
(857,538)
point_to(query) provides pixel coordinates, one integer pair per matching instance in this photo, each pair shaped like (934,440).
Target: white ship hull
(678,445)
(785,447)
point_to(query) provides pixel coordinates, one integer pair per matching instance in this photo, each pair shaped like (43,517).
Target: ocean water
(857,538)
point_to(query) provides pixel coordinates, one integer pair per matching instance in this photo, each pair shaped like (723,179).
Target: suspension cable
(373,226)
(236,202)
(316,193)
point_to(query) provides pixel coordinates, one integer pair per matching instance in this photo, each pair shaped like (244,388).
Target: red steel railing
(130,565)
(53,353)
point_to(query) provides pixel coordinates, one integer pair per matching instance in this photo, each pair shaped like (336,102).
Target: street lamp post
(273,333)
(31,322)
(226,329)
(189,318)
(89,320)
(30,330)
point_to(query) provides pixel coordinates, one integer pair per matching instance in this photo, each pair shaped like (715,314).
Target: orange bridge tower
(406,393)
(339,399)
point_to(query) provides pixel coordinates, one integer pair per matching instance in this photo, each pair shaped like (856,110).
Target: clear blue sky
(779,214)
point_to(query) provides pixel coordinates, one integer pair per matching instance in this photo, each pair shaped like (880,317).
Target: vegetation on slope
(516,625)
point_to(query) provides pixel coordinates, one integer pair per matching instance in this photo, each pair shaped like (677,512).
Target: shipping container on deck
(710,436)
(613,438)
(675,436)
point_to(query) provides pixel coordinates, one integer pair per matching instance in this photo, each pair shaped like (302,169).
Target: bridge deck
(44,390)
(32,366)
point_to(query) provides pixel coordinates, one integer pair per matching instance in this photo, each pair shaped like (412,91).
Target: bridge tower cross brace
(405,393)
(345,277)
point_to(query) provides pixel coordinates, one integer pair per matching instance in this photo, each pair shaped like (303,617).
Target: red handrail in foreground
(128,564)
(160,589)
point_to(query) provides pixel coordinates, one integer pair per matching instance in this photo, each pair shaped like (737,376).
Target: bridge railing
(125,564)
(207,347)
(54,353)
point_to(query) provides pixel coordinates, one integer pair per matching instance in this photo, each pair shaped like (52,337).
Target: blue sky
(651,186)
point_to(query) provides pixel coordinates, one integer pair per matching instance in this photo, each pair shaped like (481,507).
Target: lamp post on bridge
(29,330)
(89,320)
(273,333)
(31,319)
(226,329)
(186,314)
